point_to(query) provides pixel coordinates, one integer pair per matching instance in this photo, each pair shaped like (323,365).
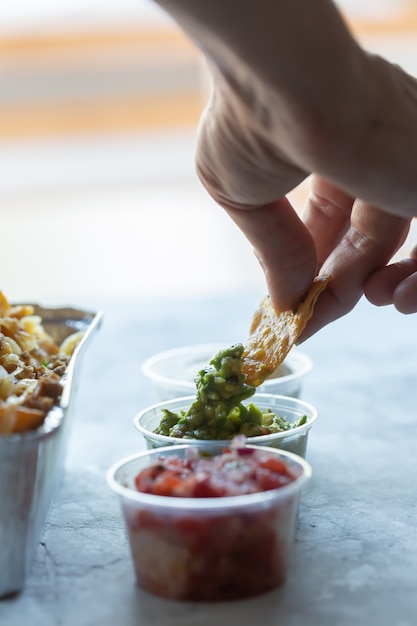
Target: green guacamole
(218,412)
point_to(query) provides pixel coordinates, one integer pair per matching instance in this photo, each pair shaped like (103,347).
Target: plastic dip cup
(172,372)
(292,409)
(210,548)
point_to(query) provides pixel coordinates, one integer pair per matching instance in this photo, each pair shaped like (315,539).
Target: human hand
(338,234)
(294,95)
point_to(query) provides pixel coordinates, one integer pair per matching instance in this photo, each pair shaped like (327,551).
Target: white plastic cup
(172,372)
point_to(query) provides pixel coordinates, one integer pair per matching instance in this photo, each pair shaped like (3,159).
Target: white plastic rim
(131,465)
(299,363)
(282,405)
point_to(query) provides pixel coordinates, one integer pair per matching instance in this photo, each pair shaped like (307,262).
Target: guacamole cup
(291,409)
(172,372)
(209,548)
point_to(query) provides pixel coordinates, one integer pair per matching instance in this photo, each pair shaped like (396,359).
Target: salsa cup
(208,549)
(292,409)
(172,372)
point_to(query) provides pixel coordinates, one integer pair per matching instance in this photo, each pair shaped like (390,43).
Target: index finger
(368,245)
(284,248)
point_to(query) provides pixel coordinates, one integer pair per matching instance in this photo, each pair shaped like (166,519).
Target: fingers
(371,240)
(326,215)
(284,247)
(405,294)
(394,284)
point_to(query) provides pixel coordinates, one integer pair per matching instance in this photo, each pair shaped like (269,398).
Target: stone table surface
(355,553)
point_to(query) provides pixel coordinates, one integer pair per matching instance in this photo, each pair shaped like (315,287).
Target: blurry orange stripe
(99,116)
(47,43)
(404,21)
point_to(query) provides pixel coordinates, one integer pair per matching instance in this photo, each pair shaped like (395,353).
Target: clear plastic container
(292,409)
(208,549)
(172,372)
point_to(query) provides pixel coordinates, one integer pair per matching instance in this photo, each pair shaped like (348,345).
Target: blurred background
(99,102)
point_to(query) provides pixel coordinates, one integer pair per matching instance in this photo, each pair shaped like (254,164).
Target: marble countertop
(355,553)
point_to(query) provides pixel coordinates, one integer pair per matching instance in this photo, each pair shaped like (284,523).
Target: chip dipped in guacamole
(218,411)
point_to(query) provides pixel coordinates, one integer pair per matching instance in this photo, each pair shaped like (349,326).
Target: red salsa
(207,554)
(238,471)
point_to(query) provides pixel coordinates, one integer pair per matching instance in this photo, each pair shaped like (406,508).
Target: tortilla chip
(272,334)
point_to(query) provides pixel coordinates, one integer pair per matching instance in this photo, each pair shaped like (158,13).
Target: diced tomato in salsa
(228,474)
